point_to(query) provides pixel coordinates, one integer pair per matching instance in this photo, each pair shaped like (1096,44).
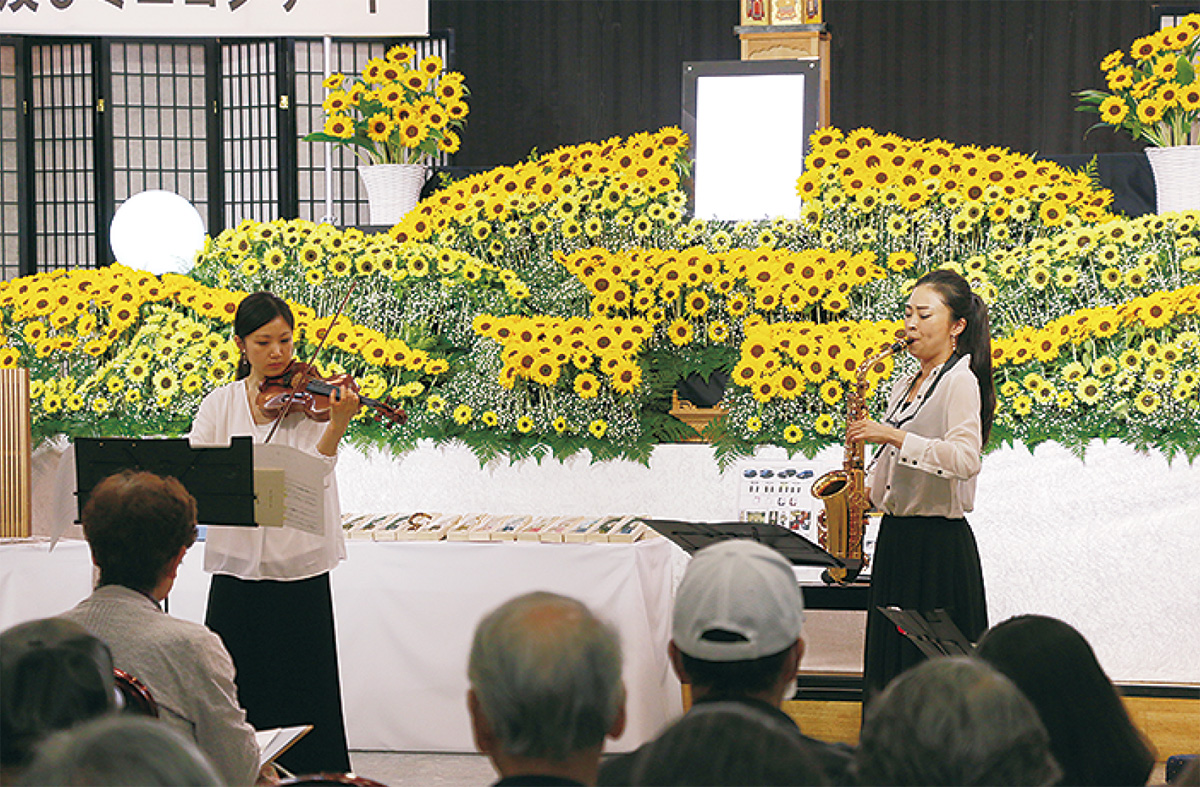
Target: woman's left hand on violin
(343,405)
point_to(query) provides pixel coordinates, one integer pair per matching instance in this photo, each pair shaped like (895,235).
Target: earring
(953,343)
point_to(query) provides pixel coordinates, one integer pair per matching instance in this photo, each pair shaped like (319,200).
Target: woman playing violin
(270,598)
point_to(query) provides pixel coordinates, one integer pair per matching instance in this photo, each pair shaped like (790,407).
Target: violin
(298,389)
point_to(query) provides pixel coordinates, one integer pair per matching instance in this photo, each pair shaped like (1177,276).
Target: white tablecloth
(405,616)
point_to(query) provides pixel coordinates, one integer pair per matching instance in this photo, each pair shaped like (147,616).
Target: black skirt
(282,640)
(921,563)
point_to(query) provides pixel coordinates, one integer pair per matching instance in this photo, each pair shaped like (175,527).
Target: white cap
(744,589)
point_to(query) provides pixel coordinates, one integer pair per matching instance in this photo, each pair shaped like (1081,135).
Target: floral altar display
(396,117)
(551,307)
(1156,98)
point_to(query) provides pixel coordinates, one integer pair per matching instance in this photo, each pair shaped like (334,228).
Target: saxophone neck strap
(894,419)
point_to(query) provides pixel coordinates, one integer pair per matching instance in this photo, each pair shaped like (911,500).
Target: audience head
(121,751)
(545,679)
(953,721)
(728,743)
(737,620)
(138,525)
(1091,734)
(53,675)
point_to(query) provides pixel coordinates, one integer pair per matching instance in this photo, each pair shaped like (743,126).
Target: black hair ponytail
(975,338)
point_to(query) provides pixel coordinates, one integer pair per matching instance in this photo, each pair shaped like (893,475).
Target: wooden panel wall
(15,454)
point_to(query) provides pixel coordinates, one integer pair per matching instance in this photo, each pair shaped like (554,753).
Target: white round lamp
(157,232)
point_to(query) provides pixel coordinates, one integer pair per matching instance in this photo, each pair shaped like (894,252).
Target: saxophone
(842,525)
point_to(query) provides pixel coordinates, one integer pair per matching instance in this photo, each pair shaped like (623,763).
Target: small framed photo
(438,527)
(509,527)
(580,532)
(407,528)
(608,525)
(463,527)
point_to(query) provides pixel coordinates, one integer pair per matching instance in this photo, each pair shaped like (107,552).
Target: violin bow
(316,354)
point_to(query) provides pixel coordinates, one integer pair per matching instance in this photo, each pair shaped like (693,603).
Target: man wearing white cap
(736,637)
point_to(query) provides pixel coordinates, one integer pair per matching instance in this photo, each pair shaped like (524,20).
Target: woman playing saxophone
(931,441)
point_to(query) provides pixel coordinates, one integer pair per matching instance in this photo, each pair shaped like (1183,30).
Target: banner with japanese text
(401,18)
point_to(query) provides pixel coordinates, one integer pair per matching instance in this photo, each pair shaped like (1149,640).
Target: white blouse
(278,553)
(933,472)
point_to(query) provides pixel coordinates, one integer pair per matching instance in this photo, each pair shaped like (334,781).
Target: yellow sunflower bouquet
(398,111)
(1156,97)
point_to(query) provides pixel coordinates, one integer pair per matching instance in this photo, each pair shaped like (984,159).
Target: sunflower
(1111,278)
(220,373)
(718,332)
(680,332)
(627,379)
(1130,360)
(165,384)
(793,433)
(1136,277)
(1147,401)
(1157,373)
(380,127)
(339,126)
(1089,390)
(462,414)
(1038,276)
(1150,111)
(824,424)
(587,385)
(696,304)
(831,392)
(1104,366)
(413,132)
(1022,405)
(401,54)
(34,332)
(1113,110)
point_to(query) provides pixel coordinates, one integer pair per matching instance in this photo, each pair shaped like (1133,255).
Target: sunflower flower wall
(551,307)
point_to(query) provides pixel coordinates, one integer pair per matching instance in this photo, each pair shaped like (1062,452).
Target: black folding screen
(85,123)
(11,208)
(156,120)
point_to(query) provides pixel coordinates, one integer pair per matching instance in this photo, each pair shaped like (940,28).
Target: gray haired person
(954,721)
(121,750)
(545,690)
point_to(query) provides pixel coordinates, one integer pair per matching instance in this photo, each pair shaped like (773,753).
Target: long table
(405,616)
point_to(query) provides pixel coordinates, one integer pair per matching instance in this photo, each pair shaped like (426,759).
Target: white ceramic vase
(392,190)
(1176,177)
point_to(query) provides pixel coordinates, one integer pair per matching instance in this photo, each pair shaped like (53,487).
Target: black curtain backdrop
(545,73)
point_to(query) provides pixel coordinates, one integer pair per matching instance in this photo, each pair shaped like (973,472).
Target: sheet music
(303,485)
(274,742)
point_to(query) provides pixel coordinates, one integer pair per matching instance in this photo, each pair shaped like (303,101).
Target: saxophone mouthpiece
(900,343)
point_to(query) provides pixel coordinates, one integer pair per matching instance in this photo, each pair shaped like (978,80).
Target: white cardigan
(267,552)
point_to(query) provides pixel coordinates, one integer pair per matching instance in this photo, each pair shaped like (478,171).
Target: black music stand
(693,536)
(221,479)
(934,633)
